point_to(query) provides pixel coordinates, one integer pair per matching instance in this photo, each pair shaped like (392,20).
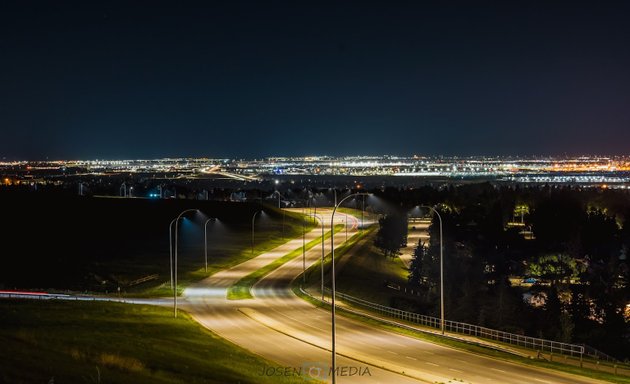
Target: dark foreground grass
(96,342)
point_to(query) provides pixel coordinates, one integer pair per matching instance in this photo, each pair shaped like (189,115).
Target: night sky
(150,79)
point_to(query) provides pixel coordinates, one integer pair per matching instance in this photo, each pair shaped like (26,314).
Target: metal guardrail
(56,296)
(143,280)
(538,344)
(599,355)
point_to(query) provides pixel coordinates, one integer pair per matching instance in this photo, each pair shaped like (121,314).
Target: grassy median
(242,288)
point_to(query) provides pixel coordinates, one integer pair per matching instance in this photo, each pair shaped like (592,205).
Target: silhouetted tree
(392,234)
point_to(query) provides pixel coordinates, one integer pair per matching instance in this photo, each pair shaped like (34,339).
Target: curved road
(295,334)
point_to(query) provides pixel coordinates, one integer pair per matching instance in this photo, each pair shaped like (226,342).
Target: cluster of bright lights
(583,169)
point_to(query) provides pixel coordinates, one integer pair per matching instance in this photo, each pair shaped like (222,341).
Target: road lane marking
(411,358)
(498,370)
(455,370)
(392,352)
(435,365)
(540,380)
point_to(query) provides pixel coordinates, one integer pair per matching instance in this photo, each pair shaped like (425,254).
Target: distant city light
(597,171)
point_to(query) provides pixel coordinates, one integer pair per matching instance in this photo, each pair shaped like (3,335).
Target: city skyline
(585,171)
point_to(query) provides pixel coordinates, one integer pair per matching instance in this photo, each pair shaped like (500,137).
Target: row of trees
(577,256)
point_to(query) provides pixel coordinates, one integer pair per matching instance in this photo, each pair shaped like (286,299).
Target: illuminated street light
(335,193)
(170,247)
(308,203)
(174,272)
(304,246)
(313,204)
(332,298)
(362,210)
(321,218)
(303,252)
(205,240)
(253,234)
(441,268)
(283,212)
(279,195)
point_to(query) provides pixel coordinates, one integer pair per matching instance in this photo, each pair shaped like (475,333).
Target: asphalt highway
(296,335)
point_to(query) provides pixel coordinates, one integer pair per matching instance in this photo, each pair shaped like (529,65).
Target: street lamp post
(253,233)
(205,241)
(280,208)
(441,268)
(175,259)
(170,248)
(321,219)
(303,251)
(278,193)
(314,205)
(332,271)
(362,210)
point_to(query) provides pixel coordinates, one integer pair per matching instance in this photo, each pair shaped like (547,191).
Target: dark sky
(148,79)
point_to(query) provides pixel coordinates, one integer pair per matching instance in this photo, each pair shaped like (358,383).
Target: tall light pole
(205,240)
(441,268)
(170,248)
(303,251)
(332,271)
(362,210)
(314,206)
(321,219)
(253,233)
(280,208)
(175,259)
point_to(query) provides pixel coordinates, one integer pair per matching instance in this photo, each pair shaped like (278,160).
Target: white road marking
(455,370)
(411,358)
(498,370)
(435,365)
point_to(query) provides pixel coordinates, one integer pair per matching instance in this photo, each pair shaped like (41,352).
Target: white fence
(470,329)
